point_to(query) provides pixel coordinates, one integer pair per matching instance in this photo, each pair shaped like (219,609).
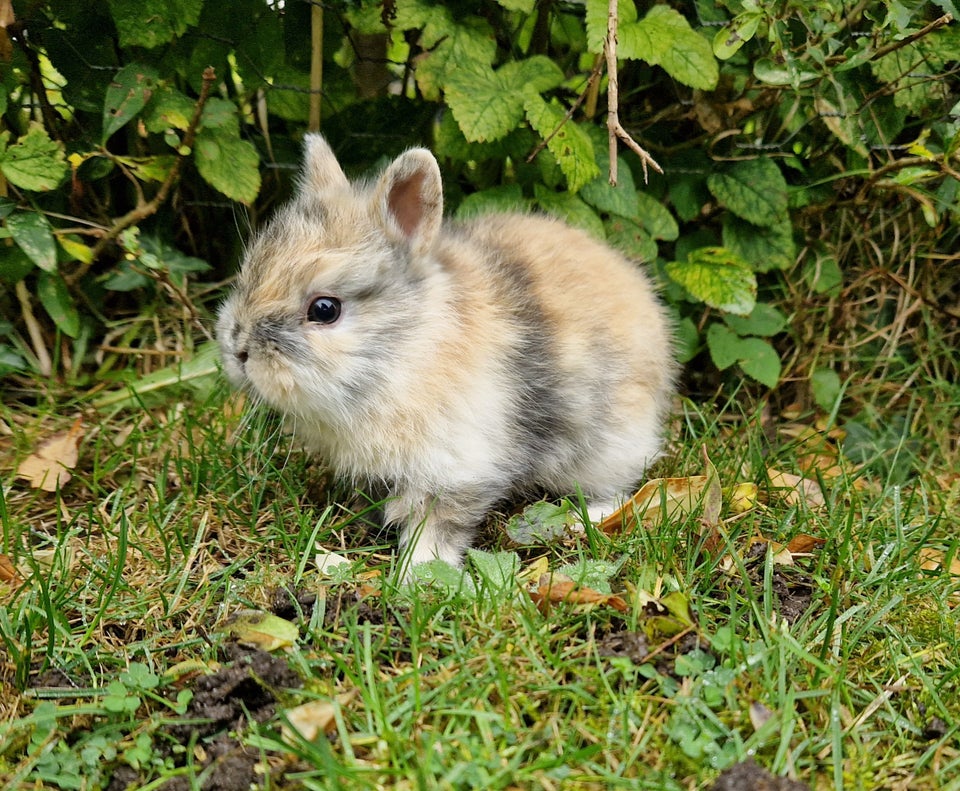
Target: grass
(840,670)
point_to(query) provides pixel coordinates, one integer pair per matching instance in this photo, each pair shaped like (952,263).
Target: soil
(747,776)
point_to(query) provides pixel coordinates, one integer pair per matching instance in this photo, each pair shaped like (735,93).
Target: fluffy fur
(470,361)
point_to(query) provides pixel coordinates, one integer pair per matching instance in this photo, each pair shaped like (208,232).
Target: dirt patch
(244,689)
(750,777)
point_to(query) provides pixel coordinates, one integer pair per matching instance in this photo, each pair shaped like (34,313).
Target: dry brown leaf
(310,720)
(781,555)
(759,715)
(933,560)
(7,571)
(795,489)
(680,496)
(48,467)
(553,590)
(803,544)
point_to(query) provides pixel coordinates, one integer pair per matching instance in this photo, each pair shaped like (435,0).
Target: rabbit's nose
(242,356)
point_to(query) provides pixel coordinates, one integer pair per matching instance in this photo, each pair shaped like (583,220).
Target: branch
(614,128)
(144,209)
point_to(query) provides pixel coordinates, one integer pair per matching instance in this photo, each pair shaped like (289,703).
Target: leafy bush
(794,139)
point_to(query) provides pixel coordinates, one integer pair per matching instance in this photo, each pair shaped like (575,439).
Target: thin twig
(569,114)
(144,209)
(615,129)
(44,363)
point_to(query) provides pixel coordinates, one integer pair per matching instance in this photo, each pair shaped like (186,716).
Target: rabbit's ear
(321,171)
(409,199)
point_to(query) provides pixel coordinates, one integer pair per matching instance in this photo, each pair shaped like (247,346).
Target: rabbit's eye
(324,310)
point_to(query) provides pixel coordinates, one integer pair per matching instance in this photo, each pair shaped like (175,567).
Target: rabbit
(456,364)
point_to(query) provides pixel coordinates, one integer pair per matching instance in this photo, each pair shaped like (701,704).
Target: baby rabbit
(456,364)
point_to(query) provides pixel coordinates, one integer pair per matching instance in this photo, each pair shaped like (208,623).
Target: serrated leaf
(655,218)
(760,360)
(150,23)
(170,109)
(738,32)
(126,95)
(220,114)
(498,569)
(34,162)
(484,105)
(632,240)
(764,320)
(33,234)
(523,6)
(603,196)
(56,300)
(596,22)
(570,145)
(502,198)
(717,277)
(229,164)
(650,38)
(723,344)
(763,247)
(754,190)
(756,357)
(570,208)
(690,60)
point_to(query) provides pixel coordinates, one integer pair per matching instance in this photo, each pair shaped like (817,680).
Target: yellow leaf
(264,630)
(743,497)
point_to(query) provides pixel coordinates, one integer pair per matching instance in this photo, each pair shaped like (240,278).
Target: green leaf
(15,264)
(33,234)
(603,196)
(741,29)
(783,73)
(764,320)
(760,360)
(754,190)
(822,273)
(498,569)
(717,277)
(34,162)
(56,300)
(523,6)
(170,109)
(632,240)
(756,357)
(149,23)
(825,386)
(127,94)
(596,22)
(485,106)
(541,524)
(502,198)
(655,218)
(763,247)
(489,104)
(451,45)
(689,58)
(570,208)
(723,344)
(220,114)
(570,146)
(229,164)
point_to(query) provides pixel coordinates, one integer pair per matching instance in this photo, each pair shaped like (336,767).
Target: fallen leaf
(661,498)
(555,589)
(933,560)
(743,498)
(309,720)
(759,715)
(327,561)
(48,468)
(803,544)
(263,630)
(795,489)
(7,571)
